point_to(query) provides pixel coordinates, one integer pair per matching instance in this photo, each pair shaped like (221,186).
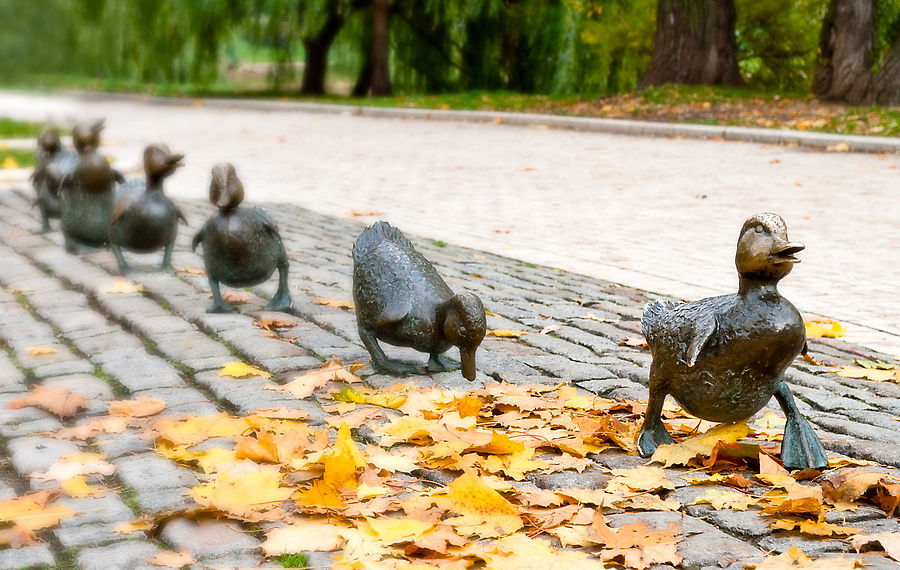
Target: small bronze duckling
(722,358)
(402,300)
(53,166)
(143,218)
(241,246)
(87,197)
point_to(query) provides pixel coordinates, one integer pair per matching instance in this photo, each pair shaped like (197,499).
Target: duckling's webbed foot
(219,305)
(380,361)
(653,431)
(282,300)
(166,264)
(801,448)
(439,363)
(45,220)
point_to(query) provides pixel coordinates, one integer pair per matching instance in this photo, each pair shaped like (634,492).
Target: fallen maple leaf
(302,535)
(122,286)
(794,558)
(77,487)
(815,528)
(506,333)
(343,460)
(236,297)
(827,328)
(336,303)
(702,445)
(364,213)
(636,544)
(874,374)
(139,525)
(889,541)
(722,499)
(484,511)
(41,350)
(73,464)
(171,559)
(249,491)
(644,478)
(191,270)
(140,408)
(304,385)
(33,511)
(60,401)
(241,370)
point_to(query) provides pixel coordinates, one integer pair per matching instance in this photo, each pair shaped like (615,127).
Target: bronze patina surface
(241,245)
(52,166)
(722,358)
(87,197)
(143,218)
(402,300)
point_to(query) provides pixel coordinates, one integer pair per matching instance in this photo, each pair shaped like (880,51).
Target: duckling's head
(86,136)
(464,327)
(225,188)
(160,162)
(49,141)
(764,253)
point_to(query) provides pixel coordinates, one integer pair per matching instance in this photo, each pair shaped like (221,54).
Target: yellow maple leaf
(703,444)
(241,370)
(140,408)
(320,496)
(172,559)
(827,328)
(302,535)
(194,429)
(506,333)
(139,525)
(815,528)
(342,461)
(336,303)
(9,163)
(644,478)
(521,552)
(889,541)
(393,531)
(77,487)
(373,397)
(41,350)
(722,499)
(122,286)
(304,385)
(33,511)
(485,512)
(874,374)
(246,492)
(794,558)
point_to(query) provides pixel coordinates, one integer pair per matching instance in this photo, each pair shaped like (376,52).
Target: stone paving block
(96,391)
(126,554)
(290,364)
(208,538)
(566,369)
(31,427)
(159,325)
(92,535)
(36,454)
(69,320)
(62,368)
(143,372)
(189,345)
(115,341)
(181,401)
(115,445)
(95,510)
(259,347)
(149,472)
(155,501)
(778,543)
(209,363)
(562,347)
(37,556)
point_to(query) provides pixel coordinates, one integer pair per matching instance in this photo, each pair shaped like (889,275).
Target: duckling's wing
(126,197)
(267,221)
(681,329)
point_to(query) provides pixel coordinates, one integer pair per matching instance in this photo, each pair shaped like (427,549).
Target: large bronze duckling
(143,218)
(53,166)
(241,246)
(87,197)
(402,300)
(722,358)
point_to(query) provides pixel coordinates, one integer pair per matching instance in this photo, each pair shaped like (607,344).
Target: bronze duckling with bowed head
(87,197)
(722,358)
(143,218)
(402,300)
(241,245)
(53,165)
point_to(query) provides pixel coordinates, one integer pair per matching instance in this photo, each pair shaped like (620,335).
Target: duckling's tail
(654,313)
(375,234)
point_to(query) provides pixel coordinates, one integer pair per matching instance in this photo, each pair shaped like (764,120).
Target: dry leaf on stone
(827,328)
(794,558)
(249,492)
(41,350)
(521,552)
(241,370)
(171,559)
(702,445)
(139,525)
(722,499)
(302,535)
(365,213)
(236,297)
(79,463)
(636,545)
(889,542)
(874,374)
(485,512)
(815,528)
(59,401)
(638,479)
(33,511)
(506,333)
(342,461)
(191,270)
(633,341)
(304,385)
(77,487)
(122,286)
(140,408)
(336,303)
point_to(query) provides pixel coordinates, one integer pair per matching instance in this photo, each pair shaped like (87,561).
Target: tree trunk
(317,55)
(885,88)
(381,75)
(695,44)
(848,32)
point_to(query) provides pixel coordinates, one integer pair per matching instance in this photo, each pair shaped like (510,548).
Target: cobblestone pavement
(657,214)
(161,342)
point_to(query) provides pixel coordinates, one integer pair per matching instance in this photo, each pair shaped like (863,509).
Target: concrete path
(657,214)
(161,343)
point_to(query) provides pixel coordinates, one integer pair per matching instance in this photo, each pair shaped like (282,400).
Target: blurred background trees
(846,50)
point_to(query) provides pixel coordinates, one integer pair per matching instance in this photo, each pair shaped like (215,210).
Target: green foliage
(22,158)
(299,560)
(10,128)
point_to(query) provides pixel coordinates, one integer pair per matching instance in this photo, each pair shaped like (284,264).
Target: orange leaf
(60,401)
(140,408)
(336,303)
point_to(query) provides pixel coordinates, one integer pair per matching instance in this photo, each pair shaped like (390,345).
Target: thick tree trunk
(317,55)
(885,88)
(695,44)
(848,32)
(381,74)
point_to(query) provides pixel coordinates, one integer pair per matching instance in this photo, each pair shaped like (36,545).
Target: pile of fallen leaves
(407,476)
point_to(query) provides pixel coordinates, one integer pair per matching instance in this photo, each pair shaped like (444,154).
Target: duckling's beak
(467,356)
(174,161)
(783,252)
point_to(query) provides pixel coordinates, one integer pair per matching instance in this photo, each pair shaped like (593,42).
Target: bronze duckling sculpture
(53,166)
(87,197)
(722,358)
(241,245)
(143,218)
(402,300)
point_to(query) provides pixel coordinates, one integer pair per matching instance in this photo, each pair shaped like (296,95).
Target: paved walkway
(161,343)
(657,214)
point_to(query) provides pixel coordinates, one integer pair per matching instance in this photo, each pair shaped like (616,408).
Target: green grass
(10,128)
(439,243)
(299,560)
(16,158)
